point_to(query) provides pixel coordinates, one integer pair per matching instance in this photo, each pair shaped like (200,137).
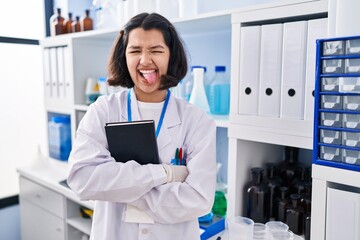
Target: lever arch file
(134,140)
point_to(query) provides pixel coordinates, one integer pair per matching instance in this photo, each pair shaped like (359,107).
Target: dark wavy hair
(118,72)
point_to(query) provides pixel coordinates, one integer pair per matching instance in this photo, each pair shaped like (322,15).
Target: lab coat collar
(171,118)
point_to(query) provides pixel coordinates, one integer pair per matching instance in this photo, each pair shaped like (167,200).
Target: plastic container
(219,92)
(198,95)
(59,137)
(188,82)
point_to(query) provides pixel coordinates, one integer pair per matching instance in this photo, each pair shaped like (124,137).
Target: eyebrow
(153,47)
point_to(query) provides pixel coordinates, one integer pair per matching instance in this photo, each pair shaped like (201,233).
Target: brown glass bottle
(56,23)
(287,168)
(307,226)
(281,204)
(76,26)
(257,197)
(295,215)
(68,24)
(87,22)
(59,25)
(274,182)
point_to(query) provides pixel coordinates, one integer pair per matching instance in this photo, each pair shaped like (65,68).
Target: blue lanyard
(162,112)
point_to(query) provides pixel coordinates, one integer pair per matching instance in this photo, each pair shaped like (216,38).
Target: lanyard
(162,111)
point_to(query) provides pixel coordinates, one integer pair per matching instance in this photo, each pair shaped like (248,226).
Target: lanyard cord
(162,111)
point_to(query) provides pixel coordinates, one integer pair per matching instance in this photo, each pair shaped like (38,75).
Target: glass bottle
(274,182)
(76,26)
(59,25)
(305,200)
(257,197)
(68,24)
(281,204)
(300,181)
(198,95)
(307,226)
(219,92)
(54,20)
(287,168)
(295,215)
(87,22)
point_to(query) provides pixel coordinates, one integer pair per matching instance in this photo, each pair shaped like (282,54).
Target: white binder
(317,29)
(249,70)
(293,70)
(61,71)
(53,73)
(270,70)
(47,74)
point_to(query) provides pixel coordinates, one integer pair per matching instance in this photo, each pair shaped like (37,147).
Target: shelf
(83,224)
(221,120)
(81,107)
(287,132)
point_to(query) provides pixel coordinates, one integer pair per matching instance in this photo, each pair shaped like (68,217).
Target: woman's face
(147,58)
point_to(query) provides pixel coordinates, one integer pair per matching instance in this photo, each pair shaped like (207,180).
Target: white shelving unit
(212,39)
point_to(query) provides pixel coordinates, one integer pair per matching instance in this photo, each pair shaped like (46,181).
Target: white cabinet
(42,212)
(255,139)
(48,209)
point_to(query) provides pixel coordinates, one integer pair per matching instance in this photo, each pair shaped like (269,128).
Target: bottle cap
(220,68)
(197,66)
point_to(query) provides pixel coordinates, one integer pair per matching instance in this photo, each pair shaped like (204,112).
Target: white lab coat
(175,207)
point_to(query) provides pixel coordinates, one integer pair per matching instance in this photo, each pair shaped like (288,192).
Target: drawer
(330,154)
(352,65)
(331,119)
(353,46)
(333,48)
(351,121)
(331,102)
(332,66)
(330,84)
(351,139)
(349,84)
(42,197)
(351,156)
(351,103)
(330,137)
(38,224)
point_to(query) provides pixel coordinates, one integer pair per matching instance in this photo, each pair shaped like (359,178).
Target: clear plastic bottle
(189,82)
(198,95)
(219,92)
(59,137)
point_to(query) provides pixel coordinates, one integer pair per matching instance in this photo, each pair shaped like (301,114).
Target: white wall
(22,126)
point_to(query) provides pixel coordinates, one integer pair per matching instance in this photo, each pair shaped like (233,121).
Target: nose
(145,59)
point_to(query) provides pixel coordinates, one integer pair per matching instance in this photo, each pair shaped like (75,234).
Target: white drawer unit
(337,107)
(42,197)
(39,224)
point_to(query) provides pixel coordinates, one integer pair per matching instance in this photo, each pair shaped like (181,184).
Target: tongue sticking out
(150,77)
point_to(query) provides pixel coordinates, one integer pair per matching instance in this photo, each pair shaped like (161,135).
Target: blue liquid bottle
(60,137)
(219,92)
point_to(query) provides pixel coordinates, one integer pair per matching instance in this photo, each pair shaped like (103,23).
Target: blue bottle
(219,92)
(60,137)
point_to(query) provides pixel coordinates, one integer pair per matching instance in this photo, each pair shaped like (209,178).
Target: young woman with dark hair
(152,201)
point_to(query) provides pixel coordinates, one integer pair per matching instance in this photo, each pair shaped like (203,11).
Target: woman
(153,201)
